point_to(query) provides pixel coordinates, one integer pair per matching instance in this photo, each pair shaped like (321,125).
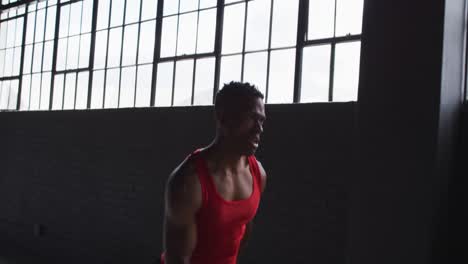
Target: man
(213,195)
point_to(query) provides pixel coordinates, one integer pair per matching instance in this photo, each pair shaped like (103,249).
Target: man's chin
(249,151)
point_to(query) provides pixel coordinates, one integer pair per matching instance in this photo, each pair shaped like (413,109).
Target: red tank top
(221,223)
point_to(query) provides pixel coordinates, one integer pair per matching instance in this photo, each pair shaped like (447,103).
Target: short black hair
(235,96)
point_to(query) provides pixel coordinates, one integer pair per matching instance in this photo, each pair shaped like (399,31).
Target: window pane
(206,31)
(183,82)
(85,43)
(103,14)
(25,92)
(82,90)
(72,57)
(163,94)
(233,28)
(57,102)
(48,53)
(168,38)
(69,98)
(29,31)
(321,19)
(346,79)
(315,74)
(147,33)
(40,21)
(230,69)
(204,81)
(45,91)
(207,3)
(35,91)
(19,32)
(115,42)
(50,24)
(64,21)
(258,25)
(5,94)
(281,83)
(13,95)
(284,29)
(2,62)
(127,88)
(37,57)
(87,17)
(21,10)
(117,12)
(187,34)
(255,69)
(62,54)
(349,17)
(132,12)
(16,61)
(3,34)
(40,5)
(171,7)
(8,62)
(100,50)
(150,7)
(11,33)
(75,18)
(188,5)
(27,60)
(97,93)
(130,45)
(112,88)
(143,90)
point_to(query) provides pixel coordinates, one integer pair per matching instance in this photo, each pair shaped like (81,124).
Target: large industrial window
(92,54)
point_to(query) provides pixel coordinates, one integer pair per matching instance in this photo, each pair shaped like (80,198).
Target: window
(81,54)
(11,41)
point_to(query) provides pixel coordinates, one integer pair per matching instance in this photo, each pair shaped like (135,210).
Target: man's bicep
(180,232)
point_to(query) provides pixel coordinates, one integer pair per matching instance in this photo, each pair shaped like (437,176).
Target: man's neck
(223,158)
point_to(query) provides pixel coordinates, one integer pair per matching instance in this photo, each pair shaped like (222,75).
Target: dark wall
(89,184)
(408,112)
(459,197)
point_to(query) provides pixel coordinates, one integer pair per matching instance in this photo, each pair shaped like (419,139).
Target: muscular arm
(249,225)
(182,200)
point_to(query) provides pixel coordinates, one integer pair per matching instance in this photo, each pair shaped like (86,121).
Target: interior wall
(408,117)
(88,185)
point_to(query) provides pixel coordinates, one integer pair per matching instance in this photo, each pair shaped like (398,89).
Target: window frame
(301,42)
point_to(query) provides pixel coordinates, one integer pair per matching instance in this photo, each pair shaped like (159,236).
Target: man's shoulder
(183,191)
(185,173)
(183,185)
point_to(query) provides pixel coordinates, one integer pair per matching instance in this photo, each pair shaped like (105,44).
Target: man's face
(245,128)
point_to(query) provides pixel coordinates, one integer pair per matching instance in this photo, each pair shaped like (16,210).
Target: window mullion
(91,52)
(54,59)
(300,41)
(218,44)
(121,53)
(23,47)
(157,51)
(244,40)
(269,51)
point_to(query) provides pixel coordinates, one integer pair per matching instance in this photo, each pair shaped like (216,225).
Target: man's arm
(249,225)
(182,200)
